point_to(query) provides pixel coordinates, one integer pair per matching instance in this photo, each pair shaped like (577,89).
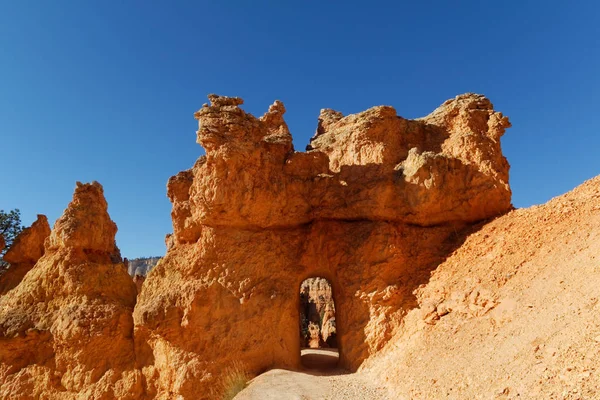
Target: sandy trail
(320,380)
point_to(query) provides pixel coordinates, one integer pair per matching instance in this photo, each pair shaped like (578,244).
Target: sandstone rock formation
(317,314)
(373,206)
(2,243)
(142,265)
(66,331)
(25,251)
(328,327)
(376,203)
(313,337)
(139,281)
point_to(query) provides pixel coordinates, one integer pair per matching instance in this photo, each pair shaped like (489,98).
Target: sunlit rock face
(66,330)
(317,314)
(26,249)
(374,205)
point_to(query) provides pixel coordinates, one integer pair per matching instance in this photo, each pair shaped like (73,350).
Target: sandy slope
(513,313)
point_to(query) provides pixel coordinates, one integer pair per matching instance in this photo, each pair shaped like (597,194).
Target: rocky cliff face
(376,203)
(141,266)
(25,251)
(317,314)
(66,331)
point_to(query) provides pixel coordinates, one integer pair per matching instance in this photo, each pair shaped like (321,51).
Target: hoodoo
(373,206)
(66,329)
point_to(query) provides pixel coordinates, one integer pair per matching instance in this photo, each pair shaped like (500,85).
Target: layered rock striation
(374,204)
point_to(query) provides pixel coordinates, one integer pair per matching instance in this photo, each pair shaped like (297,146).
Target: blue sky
(106,91)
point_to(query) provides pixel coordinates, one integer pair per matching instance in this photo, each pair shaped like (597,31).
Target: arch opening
(318,332)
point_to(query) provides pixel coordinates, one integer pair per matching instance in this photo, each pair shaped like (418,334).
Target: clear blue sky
(106,91)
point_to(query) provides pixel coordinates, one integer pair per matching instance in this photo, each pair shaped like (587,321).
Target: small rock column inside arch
(317,314)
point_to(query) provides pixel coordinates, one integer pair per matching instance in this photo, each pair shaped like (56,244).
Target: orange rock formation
(317,307)
(66,331)
(26,249)
(374,205)
(139,281)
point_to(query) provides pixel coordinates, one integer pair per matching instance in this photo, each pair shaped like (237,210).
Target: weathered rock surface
(141,266)
(139,281)
(447,167)
(25,251)
(66,331)
(375,204)
(328,327)
(317,307)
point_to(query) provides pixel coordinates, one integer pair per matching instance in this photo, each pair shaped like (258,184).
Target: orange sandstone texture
(373,206)
(66,331)
(26,249)
(139,281)
(317,307)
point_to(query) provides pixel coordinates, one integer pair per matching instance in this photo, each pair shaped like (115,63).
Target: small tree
(10,227)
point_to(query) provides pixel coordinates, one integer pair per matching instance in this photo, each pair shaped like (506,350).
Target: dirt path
(321,381)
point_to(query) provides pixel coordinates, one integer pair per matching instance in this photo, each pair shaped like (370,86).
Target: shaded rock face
(66,331)
(317,314)
(25,251)
(376,203)
(139,281)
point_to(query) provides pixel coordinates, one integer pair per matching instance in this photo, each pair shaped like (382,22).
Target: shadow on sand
(321,362)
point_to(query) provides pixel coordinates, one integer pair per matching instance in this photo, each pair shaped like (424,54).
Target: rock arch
(373,206)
